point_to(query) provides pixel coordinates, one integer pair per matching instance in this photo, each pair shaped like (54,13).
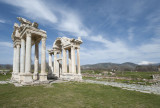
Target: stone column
(14,63)
(57,66)
(22,56)
(22,68)
(28,53)
(55,62)
(18,59)
(78,62)
(36,61)
(66,61)
(73,59)
(70,61)
(15,76)
(43,75)
(60,63)
(50,65)
(14,60)
(64,68)
(27,77)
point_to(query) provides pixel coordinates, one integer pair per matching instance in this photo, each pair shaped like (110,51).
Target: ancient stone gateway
(60,47)
(24,37)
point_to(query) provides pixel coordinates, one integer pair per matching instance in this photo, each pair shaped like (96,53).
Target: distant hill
(5,66)
(128,66)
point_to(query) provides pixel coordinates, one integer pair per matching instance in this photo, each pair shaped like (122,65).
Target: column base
(35,76)
(21,76)
(15,77)
(78,77)
(43,77)
(26,78)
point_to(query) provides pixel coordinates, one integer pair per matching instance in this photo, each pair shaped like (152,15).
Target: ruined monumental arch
(61,69)
(24,37)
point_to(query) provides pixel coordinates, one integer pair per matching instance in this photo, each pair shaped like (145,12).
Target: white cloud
(151,47)
(34,9)
(61,18)
(6,44)
(130,33)
(117,51)
(145,63)
(66,20)
(108,51)
(72,24)
(6,53)
(2,21)
(116,46)
(153,23)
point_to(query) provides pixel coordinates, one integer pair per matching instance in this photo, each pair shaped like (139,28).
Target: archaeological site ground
(61,82)
(73,95)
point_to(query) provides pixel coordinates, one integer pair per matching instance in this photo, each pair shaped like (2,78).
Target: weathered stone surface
(62,45)
(27,78)
(24,37)
(43,77)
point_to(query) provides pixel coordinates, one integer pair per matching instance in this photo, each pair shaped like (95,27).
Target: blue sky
(112,30)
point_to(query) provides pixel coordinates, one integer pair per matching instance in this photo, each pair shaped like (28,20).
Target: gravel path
(4,82)
(155,89)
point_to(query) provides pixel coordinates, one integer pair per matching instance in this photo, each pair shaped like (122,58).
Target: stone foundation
(43,77)
(71,77)
(26,78)
(15,77)
(35,76)
(21,76)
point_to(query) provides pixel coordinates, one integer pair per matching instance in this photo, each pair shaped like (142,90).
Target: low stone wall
(155,89)
(156,77)
(71,77)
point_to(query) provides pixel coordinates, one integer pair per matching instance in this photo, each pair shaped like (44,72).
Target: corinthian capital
(28,33)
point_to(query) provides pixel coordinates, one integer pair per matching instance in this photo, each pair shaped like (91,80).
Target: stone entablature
(60,47)
(24,37)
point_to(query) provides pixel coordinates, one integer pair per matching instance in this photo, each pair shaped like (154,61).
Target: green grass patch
(5,77)
(74,95)
(92,71)
(142,75)
(127,74)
